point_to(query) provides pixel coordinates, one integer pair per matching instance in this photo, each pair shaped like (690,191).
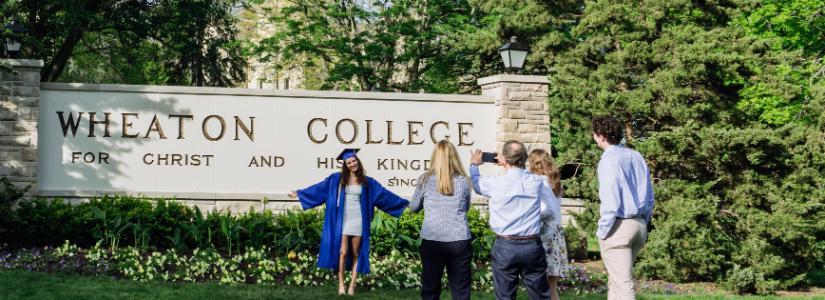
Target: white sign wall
(208,143)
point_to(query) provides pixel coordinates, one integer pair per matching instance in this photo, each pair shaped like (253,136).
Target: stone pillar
(522,114)
(19,101)
(521,109)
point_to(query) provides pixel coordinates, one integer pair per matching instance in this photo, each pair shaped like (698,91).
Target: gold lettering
(155,126)
(164,158)
(369,134)
(127,124)
(250,131)
(71,124)
(432,131)
(92,124)
(322,161)
(389,135)
(413,132)
(254,162)
(462,134)
(176,158)
(381,163)
(180,123)
(103,157)
(206,133)
(208,156)
(267,161)
(309,130)
(338,131)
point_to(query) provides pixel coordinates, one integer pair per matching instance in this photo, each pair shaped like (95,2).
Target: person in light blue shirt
(518,200)
(626,195)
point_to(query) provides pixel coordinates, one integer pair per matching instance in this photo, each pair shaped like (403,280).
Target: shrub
(156,224)
(41,222)
(9,196)
(402,234)
(397,269)
(159,224)
(576,242)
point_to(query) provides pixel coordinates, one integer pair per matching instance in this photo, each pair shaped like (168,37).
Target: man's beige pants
(619,251)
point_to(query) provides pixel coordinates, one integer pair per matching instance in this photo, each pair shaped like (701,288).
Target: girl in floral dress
(552,234)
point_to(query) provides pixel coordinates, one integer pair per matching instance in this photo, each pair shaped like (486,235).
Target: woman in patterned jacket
(444,194)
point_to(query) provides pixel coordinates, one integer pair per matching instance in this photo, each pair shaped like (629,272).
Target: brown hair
(360,174)
(445,165)
(608,127)
(541,163)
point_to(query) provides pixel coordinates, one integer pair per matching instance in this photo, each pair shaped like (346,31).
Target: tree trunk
(52,71)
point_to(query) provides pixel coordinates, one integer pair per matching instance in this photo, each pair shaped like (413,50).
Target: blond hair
(445,164)
(541,163)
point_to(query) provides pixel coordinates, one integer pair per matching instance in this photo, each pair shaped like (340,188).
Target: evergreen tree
(737,200)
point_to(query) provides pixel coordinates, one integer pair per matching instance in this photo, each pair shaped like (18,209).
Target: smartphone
(489,157)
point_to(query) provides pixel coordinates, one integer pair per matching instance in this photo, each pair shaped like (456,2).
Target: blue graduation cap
(347,153)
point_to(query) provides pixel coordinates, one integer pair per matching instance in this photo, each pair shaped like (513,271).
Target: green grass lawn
(33,285)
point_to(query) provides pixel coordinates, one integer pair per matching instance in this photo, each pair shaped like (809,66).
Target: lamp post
(13,42)
(513,54)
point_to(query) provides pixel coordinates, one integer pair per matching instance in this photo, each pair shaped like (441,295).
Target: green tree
(134,41)
(737,201)
(790,28)
(382,45)
(544,25)
(200,34)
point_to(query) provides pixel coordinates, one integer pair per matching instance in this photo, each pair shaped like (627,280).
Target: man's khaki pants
(619,251)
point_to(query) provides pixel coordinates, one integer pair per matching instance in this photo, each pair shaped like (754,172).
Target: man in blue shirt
(518,199)
(626,195)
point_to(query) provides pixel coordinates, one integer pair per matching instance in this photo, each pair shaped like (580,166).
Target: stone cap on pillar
(25,63)
(512,78)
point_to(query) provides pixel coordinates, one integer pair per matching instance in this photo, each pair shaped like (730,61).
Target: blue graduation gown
(372,195)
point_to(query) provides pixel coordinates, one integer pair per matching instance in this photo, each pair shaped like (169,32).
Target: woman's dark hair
(360,174)
(608,127)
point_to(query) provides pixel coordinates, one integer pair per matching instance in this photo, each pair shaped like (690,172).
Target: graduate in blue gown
(351,198)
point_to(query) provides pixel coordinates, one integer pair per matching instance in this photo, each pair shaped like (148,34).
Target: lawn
(34,285)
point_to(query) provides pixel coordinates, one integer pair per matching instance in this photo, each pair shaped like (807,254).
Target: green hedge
(154,224)
(160,224)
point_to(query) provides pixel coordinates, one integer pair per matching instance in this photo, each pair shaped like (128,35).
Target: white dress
(352,211)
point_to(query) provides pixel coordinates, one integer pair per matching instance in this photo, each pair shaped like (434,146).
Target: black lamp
(513,53)
(13,42)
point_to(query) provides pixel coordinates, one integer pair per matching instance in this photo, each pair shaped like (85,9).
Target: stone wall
(521,111)
(19,98)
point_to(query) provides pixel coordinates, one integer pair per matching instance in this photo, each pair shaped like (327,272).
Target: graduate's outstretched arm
(314,195)
(386,200)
